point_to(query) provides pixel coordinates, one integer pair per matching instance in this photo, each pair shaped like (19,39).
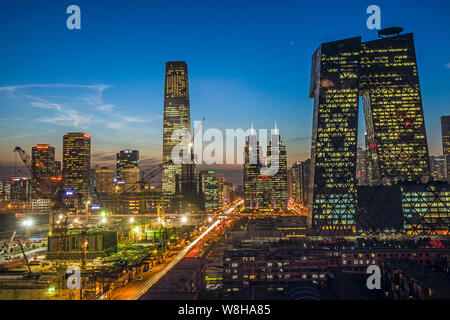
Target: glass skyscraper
(176,116)
(126,158)
(43,168)
(384,73)
(77,162)
(445,128)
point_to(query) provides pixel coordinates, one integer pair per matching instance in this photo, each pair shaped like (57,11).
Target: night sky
(247,61)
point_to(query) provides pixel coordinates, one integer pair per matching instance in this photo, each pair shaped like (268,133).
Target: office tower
(77,162)
(176,117)
(278,181)
(334,87)
(389,86)
(252,195)
(438,168)
(384,73)
(124,158)
(361,167)
(20,189)
(130,177)
(445,128)
(265,192)
(42,169)
(299,174)
(104,180)
(211,188)
(5,190)
(426,208)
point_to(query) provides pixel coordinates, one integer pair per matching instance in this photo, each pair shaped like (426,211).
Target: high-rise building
(445,128)
(129,158)
(211,187)
(130,177)
(104,180)
(42,168)
(390,90)
(438,168)
(265,192)
(77,162)
(361,167)
(334,87)
(176,117)
(299,174)
(384,72)
(20,189)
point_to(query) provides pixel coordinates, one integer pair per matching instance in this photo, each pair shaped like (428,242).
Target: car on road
(139,278)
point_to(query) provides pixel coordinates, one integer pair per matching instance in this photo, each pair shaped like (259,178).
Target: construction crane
(25,158)
(30,274)
(11,242)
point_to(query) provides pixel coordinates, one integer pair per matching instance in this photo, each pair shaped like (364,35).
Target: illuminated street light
(103,213)
(136,229)
(61,216)
(27,223)
(132,220)
(210,219)
(183,219)
(103,221)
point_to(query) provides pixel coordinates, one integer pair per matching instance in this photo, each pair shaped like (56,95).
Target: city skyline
(122,108)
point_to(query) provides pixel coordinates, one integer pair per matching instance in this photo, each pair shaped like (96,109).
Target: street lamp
(27,223)
(132,220)
(183,219)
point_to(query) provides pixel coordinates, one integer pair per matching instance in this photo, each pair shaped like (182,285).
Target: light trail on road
(149,283)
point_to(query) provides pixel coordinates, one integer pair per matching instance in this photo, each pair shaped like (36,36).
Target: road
(134,290)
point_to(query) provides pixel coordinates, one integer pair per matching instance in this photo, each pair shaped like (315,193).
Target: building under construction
(101,243)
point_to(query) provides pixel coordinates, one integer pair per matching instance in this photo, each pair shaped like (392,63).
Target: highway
(141,288)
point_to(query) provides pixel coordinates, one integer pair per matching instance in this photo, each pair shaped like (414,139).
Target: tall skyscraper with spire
(176,117)
(265,190)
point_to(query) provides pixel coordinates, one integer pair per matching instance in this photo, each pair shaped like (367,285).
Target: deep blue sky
(247,60)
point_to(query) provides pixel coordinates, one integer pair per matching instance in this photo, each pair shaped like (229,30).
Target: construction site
(85,249)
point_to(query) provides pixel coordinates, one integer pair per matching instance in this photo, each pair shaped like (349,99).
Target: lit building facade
(130,177)
(335,89)
(176,117)
(263,192)
(389,86)
(77,162)
(384,73)
(42,168)
(438,168)
(104,180)
(445,129)
(298,176)
(426,208)
(126,158)
(211,187)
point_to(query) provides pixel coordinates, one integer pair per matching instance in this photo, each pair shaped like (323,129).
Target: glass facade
(176,116)
(126,158)
(265,192)
(384,73)
(445,128)
(42,168)
(426,208)
(77,162)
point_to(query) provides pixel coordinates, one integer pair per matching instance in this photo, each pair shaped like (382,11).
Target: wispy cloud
(447,65)
(82,108)
(18,136)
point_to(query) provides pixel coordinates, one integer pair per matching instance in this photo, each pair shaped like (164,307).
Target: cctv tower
(384,73)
